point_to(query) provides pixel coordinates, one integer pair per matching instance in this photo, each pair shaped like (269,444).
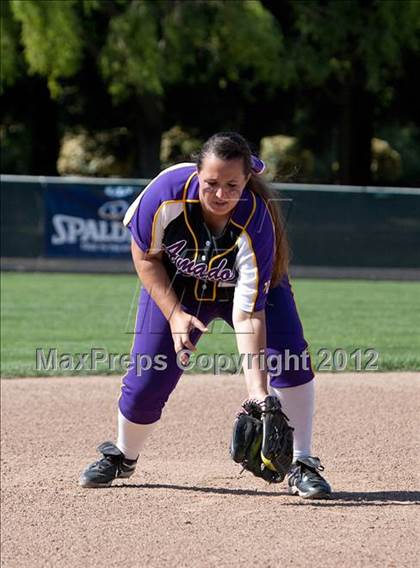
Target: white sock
(132,436)
(298,404)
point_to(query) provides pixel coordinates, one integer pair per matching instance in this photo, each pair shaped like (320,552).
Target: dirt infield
(187,505)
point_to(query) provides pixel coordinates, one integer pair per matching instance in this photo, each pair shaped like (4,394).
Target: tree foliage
(339,39)
(11,64)
(51,37)
(308,67)
(149,44)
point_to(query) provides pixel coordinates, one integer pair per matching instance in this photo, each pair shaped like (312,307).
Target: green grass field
(75,313)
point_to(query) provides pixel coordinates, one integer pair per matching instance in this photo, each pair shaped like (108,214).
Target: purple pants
(155,372)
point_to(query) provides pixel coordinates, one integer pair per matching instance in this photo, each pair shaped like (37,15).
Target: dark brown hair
(231,146)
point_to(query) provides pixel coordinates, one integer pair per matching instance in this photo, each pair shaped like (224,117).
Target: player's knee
(139,411)
(141,402)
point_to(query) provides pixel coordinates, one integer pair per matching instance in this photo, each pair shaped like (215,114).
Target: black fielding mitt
(262,440)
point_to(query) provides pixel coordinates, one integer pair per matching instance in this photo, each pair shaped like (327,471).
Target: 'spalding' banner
(86,220)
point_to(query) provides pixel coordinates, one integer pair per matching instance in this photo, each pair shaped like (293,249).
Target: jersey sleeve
(146,218)
(254,261)
(139,219)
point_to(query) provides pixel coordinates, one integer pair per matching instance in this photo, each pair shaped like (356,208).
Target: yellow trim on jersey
(250,244)
(227,251)
(214,258)
(254,206)
(133,207)
(185,212)
(204,299)
(156,215)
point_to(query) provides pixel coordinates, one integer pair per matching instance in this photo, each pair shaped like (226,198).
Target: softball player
(208,243)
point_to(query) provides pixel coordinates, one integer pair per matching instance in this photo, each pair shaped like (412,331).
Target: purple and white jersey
(234,266)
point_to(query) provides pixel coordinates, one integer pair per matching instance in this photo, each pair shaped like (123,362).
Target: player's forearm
(154,278)
(250,332)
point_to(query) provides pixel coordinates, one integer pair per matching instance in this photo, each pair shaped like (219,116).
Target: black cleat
(305,481)
(103,472)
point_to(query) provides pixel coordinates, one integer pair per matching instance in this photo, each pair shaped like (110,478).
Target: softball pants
(155,372)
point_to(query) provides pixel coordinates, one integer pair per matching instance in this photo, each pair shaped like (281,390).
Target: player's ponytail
(231,146)
(281,255)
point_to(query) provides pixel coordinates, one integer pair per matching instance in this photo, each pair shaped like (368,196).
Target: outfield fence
(329,226)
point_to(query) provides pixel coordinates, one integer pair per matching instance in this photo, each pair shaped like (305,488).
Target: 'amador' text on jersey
(235,265)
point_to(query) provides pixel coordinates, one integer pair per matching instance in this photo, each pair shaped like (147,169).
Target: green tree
(9,43)
(29,126)
(348,53)
(144,48)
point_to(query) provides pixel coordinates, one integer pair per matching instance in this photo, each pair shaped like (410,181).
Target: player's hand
(181,324)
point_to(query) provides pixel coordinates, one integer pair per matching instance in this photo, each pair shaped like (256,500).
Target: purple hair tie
(257,165)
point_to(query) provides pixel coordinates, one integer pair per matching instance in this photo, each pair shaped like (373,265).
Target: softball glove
(262,440)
